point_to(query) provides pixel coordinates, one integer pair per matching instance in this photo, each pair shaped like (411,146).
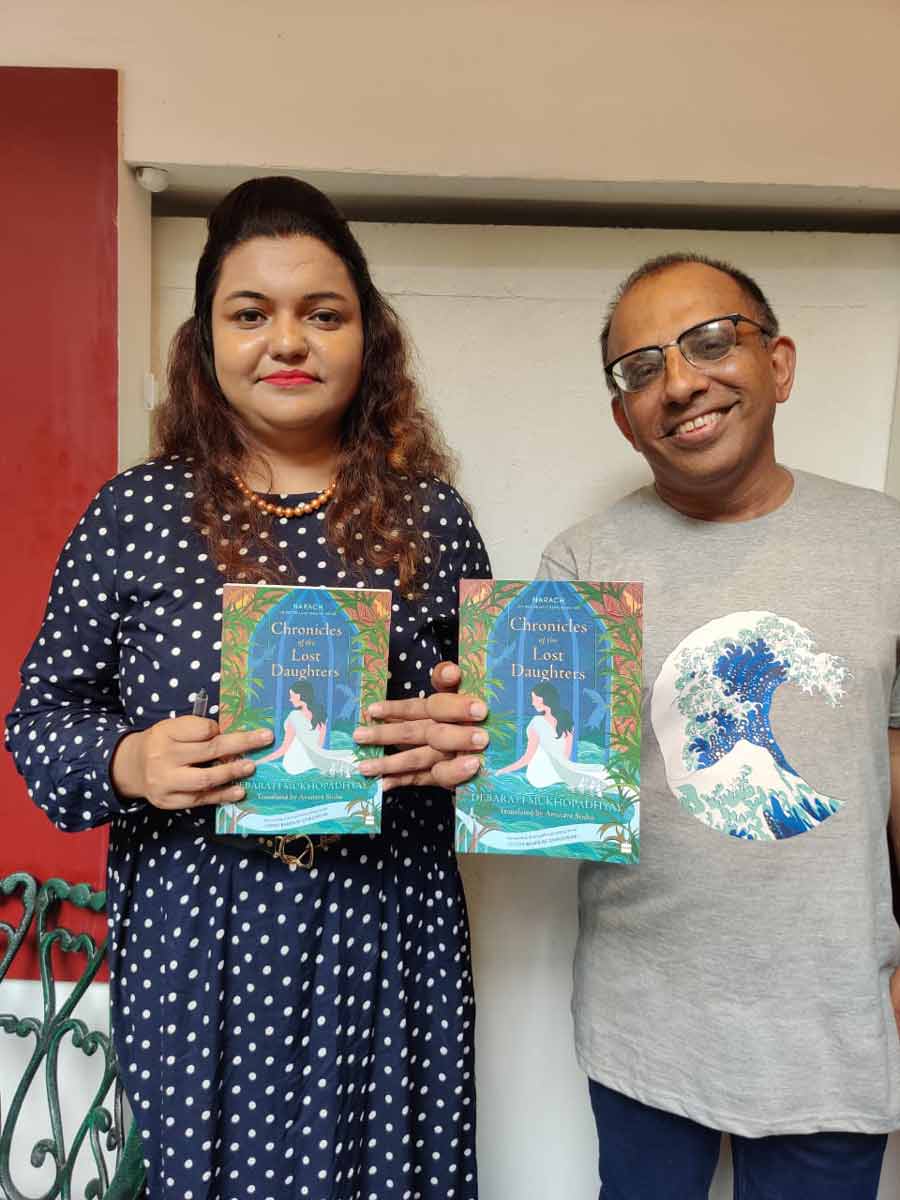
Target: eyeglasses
(701,345)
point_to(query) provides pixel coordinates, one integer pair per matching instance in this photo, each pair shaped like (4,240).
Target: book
(304,662)
(559,665)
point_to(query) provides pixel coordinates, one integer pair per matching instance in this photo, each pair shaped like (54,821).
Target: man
(744,978)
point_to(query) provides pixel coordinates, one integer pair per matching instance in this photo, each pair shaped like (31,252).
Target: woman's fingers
(185,761)
(231,794)
(223,745)
(170,786)
(214,776)
(188,729)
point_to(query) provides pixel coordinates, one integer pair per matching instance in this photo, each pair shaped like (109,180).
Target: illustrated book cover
(304,662)
(559,665)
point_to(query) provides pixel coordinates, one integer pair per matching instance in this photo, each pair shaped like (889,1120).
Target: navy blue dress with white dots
(282,1033)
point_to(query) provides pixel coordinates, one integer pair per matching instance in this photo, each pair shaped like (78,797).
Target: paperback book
(559,665)
(304,662)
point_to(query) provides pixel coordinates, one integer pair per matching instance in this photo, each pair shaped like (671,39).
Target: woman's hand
(173,764)
(438,727)
(530,751)
(281,750)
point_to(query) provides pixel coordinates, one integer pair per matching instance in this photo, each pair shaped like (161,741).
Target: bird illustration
(506,653)
(599,711)
(347,704)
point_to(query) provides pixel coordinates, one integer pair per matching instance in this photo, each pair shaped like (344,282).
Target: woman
(304,737)
(549,736)
(281,1032)
(548,752)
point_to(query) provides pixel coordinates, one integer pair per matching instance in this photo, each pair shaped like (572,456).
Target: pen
(201,700)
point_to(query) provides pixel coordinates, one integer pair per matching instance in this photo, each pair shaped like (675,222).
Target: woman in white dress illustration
(547,755)
(304,735)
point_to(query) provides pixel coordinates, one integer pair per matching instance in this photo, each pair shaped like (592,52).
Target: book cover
(559,665)
(304,662)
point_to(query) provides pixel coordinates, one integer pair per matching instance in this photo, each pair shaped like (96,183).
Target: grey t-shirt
(739,975)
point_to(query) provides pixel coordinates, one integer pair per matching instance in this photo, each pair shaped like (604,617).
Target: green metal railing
(101,1133)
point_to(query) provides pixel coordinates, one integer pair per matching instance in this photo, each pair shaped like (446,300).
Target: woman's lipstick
(287,379)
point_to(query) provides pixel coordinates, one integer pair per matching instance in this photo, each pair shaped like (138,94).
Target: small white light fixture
(152,179)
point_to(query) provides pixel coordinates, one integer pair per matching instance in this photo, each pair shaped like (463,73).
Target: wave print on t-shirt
(711,709)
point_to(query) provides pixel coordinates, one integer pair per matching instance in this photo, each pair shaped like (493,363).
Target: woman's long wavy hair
(549,693)
(388,440)
(307,694)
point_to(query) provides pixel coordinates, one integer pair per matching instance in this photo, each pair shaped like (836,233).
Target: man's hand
(438,728)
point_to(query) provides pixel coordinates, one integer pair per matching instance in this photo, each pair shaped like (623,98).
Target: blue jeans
(648,1154)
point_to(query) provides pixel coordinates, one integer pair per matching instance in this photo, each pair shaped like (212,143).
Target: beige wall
(804,92)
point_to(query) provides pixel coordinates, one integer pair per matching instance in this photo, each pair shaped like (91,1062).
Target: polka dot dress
(281,1033)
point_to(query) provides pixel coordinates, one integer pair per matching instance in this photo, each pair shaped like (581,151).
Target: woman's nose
(288,338)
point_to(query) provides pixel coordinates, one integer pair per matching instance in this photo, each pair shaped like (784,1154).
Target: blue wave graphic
(750,674)
(711,711)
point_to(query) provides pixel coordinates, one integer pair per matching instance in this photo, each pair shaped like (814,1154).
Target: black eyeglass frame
(734,318)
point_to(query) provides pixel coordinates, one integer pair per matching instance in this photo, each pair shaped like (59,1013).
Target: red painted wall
(58,383)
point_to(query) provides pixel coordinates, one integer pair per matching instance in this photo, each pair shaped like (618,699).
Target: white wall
(505,321)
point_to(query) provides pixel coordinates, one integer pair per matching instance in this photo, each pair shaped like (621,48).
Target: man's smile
(698,427)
